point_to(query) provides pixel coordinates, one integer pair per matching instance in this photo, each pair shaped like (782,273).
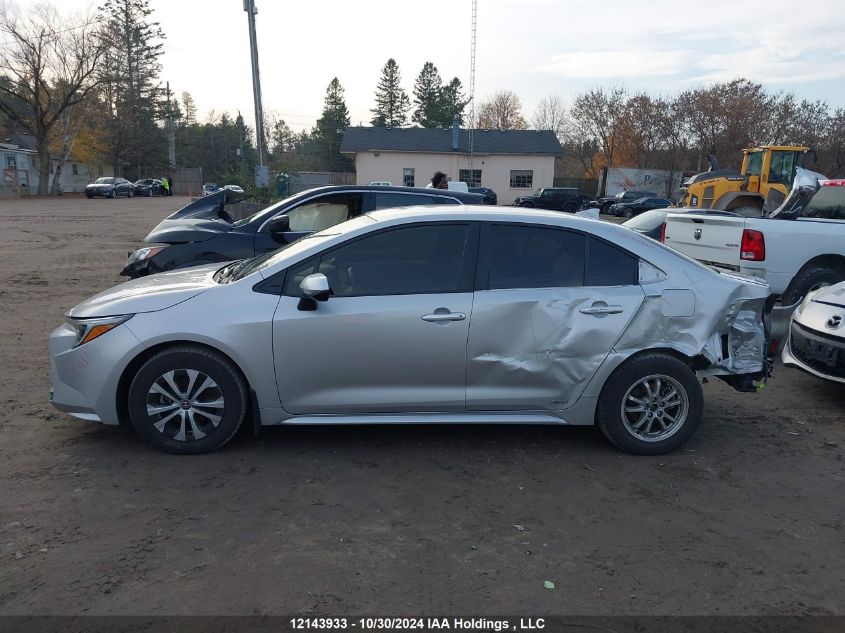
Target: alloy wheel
(185,404)
(654,408)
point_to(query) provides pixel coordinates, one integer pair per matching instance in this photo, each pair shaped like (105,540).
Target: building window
(11,161)
(408,177)
(472,177)
(75,169)
(522,179)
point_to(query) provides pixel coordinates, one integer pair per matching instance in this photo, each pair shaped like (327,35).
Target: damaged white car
(420,315)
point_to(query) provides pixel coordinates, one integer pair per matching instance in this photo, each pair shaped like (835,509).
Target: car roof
(425,191)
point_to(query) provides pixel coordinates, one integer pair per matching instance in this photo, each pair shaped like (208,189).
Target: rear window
(828,203)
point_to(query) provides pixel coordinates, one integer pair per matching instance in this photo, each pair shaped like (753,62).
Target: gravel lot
(747,519)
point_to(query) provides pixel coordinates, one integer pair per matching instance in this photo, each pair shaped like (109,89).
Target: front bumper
(816,353)
(84,379)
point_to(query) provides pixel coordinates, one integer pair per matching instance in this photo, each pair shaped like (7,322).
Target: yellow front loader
(766,168)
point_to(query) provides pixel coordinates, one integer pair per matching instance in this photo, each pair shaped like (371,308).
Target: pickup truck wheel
(650,405)
(808,280)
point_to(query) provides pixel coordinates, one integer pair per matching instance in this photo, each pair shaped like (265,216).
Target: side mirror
(314,288)
(280,224)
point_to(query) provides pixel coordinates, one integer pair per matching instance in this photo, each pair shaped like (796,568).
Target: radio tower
(472,86)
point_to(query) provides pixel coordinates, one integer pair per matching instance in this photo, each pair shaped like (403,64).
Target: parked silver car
(419,315)
(816,341)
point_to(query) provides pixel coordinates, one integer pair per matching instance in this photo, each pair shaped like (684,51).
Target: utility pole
(472,89)
(171,132)
(261,175)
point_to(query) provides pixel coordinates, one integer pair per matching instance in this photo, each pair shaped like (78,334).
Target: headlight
(89,329)
(144,253)
(807,299)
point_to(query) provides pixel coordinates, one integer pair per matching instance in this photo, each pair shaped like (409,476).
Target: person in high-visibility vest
(166,185)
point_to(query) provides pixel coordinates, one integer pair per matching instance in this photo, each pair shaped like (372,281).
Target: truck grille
(818,351)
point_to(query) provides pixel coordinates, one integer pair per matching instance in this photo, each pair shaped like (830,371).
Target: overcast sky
(533,47)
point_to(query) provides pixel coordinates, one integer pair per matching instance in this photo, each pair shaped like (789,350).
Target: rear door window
(535,257)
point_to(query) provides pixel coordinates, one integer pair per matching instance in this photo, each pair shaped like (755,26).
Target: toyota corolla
(420,315)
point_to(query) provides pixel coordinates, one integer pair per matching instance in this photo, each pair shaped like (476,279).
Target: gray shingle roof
(417,139)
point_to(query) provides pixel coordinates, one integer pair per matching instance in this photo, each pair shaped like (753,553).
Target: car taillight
(663,233)
(753,247)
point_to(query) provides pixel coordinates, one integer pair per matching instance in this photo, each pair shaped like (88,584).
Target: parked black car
(207,230)
(555,198)
(635,207)
(110,187)
(490,196)
(149,187)
(623,196)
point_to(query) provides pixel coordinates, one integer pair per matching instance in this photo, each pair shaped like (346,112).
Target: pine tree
(190,108)
(392,103)
(427,97)
(452,102)
(131,77)
(328,132)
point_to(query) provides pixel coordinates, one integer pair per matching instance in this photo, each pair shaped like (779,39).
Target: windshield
(268,210)
(538,191)
(828,203)
(647,221)
(105,181)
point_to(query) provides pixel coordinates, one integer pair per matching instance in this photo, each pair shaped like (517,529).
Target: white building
(19,162)
(510,162)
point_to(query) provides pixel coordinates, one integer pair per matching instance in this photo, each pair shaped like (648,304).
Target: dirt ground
(746,519)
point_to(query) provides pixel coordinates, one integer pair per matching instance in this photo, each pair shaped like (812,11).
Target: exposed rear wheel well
(693,362)
(136,363)
(834,262)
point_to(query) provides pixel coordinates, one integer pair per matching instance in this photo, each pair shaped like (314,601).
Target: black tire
(807,280)
(570,207)
(228,385)
(628,376)
(628,214)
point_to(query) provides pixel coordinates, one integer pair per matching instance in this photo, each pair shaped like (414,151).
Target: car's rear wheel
(628,214)
(650,405)
(187,400)
(570,207)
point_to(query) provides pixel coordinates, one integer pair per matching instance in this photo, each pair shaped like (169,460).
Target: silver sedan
(419,315)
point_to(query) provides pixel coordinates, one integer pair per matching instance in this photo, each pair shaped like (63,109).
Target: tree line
(88,87)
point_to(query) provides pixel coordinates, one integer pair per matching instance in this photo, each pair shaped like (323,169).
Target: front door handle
(442,314)
(600,308)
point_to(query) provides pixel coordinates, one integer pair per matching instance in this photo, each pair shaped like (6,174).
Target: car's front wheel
(187,400)
(650,405)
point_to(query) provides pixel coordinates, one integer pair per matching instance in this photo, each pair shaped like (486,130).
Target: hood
(834,295)
(182,230)
(149,294)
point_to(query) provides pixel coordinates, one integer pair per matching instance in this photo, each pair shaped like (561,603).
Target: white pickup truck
(798,247)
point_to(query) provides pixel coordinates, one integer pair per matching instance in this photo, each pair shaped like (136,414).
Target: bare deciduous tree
(550,114)
(503,111)
(47,66)
(599,112)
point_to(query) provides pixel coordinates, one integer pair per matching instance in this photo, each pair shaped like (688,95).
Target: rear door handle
(438,316)
(600,308)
